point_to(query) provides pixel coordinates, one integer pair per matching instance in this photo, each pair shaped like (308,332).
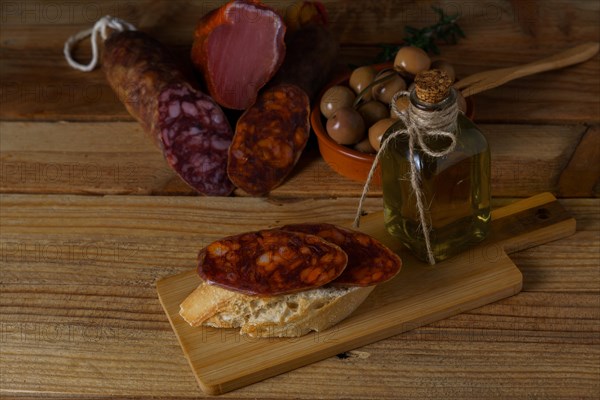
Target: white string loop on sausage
(101,26)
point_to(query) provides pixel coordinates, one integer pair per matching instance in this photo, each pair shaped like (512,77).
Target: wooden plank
(354,22)
(46,157)
(38,84)
(79,316)
(60,93)
(524,162)
(116,158)
(581,178)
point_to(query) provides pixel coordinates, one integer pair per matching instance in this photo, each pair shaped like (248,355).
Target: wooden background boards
(79,316)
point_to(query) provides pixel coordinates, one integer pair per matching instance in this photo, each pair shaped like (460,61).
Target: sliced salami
(186,124)
(369,261)
(195,138)
(271,262)
(269,139)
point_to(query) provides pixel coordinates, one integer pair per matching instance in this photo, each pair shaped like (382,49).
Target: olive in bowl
(346,126)
(334,98)
(352,161)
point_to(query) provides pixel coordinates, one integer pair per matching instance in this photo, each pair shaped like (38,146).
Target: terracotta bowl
(344,160)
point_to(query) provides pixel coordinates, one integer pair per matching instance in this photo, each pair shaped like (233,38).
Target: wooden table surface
(91,216)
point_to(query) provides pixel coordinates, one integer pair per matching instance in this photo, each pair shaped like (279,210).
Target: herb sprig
(446,29)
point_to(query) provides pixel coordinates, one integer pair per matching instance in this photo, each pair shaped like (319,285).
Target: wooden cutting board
(420,294)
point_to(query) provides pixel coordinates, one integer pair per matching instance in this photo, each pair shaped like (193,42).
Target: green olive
(376,132)
(386,90)
(346,126)
(335,98)
(365,146)
(412,60)
(361,78)
(445,66)
(372,111)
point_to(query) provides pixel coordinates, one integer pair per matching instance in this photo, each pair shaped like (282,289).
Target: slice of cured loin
(238,48)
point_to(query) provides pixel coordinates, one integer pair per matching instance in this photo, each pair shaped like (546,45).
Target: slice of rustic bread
(289,315)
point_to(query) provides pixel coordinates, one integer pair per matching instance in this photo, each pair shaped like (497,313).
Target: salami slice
(269,139)
(369,261)
(186,124)
(195,137)
(271,262)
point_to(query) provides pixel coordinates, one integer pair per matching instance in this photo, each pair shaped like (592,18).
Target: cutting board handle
(530,222)
(518,226)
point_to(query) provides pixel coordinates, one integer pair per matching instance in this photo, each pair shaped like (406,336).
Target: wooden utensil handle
(576,55)
(490,79)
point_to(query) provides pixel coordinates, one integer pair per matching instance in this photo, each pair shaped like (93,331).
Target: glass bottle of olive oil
(455,187)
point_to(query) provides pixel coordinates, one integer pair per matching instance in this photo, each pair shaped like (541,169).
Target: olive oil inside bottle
(455,187)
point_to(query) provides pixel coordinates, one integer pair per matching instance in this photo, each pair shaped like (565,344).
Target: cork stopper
(432,86)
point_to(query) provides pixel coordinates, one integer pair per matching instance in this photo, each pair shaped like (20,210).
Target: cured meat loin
(269,139)
(238,48)
(369,261)
(186,124)
(271,262)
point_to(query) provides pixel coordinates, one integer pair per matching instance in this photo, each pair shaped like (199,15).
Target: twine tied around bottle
(418,125)
(101,26)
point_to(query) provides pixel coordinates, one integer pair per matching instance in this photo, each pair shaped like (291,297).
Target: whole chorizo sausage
(186,124)
(271,262)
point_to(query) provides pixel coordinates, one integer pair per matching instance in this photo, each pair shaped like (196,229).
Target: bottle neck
(441,116)
(447,102)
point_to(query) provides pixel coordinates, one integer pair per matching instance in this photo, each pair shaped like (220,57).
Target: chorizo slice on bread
(271,262)
(369,261)
(292,312)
